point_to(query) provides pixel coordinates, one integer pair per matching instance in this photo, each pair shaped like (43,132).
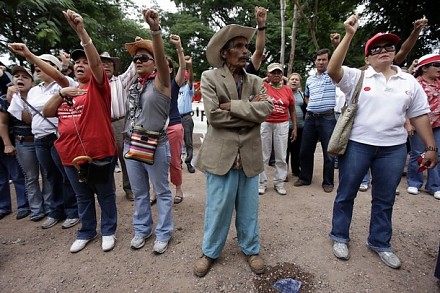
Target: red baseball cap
(394,39)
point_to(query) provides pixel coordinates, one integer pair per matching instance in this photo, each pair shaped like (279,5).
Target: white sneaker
(160,246)
(261,190)
(281,190)
(413,190)
(108,242)
(437,195)
(363,187)
(117,169)
(340,250)
(79,244)
(139,241)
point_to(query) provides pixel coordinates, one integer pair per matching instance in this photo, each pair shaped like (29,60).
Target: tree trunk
(293,41)
(283,34)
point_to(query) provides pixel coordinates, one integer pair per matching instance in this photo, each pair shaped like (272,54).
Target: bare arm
(334,68)
(423,128)
(410,41)
(4,134)
(261,16)
(180,75)
(294,119)
(190,72)
(77,23)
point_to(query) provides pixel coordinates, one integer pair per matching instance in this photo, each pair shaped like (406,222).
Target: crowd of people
(71,131)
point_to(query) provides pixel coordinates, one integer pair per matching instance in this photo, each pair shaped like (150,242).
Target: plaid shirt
(432,90)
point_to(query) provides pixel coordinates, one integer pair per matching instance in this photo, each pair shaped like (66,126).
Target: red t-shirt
(91,115)
(282,99)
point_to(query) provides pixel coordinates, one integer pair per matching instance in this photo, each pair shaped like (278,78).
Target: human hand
(72,91)
(10,150)
(420,23)
(225,106)
(335,38)
(175,39)
(137,39)
(75,20)
(188,60)
(293,135)
(261,15)
(429,160)
(260,98)
(351,24)
(64,57)
(13,89)
(152,18)
(20,49)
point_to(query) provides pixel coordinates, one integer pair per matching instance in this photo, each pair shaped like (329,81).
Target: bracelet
(156,32)
(262,28)
(61,95)
(86,44)
(431,148)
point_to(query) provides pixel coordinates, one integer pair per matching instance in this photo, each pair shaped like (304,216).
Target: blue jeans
(140,175)
(9,168)
(316,128)
(414,178)
(223,193)
(62,199)
(37,196)
(85,194)
(367,178)
(386,165)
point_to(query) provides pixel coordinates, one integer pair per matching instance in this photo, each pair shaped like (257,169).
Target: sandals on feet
(178,199)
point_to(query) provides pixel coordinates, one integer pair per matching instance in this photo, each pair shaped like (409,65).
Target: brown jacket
(235,131)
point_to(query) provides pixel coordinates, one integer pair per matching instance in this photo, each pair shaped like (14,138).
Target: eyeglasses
(142,58)
(434,64)
(377,49)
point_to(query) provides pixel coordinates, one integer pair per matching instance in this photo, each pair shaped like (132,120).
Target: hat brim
(116,61)
(432,59)
(143,44)
(220,38)
(384,37)
(18,68)
(77,53)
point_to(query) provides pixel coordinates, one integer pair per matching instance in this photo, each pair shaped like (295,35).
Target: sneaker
(129,195)
(50,222)
(139,241)
(327,188)
(397,191)
(261,190)
(340,250)
(437,195)
(281,190)
(4,214)
(413,190)
(79,244)
(117,169)
(108,242)
(390,259)
(202,266)
(22,214)
(299,182)
(160,246)
(363,187)
(256,263)
(37,217)
(69,223)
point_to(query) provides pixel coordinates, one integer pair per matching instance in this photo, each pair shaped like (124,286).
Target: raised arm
(409,43)
(261,16)
(22,50)
(334,68)
(77,23)
(180,75)
(189,66)
(162,81)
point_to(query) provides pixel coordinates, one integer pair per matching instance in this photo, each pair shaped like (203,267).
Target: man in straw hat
(231,155)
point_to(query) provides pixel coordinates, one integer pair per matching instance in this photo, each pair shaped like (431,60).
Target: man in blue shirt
(320,96)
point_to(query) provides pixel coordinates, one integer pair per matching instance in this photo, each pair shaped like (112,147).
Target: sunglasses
(142,58)
(377,49)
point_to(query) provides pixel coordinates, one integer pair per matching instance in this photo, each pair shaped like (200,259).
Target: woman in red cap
(378,138)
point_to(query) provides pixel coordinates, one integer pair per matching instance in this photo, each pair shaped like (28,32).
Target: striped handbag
(143,144)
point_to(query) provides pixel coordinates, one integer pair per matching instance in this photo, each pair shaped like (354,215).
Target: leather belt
(117,119)
(321,114)
(186,114)
(24,138)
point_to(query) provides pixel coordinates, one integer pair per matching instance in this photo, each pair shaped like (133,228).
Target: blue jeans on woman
(85,194)
(38,197)
(140,175)
(62,200)
(414,178)
(386,165)
(9,168)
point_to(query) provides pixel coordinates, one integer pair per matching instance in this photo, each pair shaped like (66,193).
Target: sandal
(153,201)
(178,199)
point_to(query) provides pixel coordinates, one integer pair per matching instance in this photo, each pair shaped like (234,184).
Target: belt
(24,138)
(117,119)
(183,115)
(321,114)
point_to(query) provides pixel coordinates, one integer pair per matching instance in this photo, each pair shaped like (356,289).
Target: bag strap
(39,113)
(357,90)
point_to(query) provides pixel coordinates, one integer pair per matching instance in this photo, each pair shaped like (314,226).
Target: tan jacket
(235,131)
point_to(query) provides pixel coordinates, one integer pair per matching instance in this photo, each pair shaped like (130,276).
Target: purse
(142,145)
(95,171)
(341,133)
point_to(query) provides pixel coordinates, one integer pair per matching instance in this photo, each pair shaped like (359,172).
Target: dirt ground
(295,244)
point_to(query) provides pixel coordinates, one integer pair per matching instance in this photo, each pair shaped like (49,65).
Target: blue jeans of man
(386,165)
(85,194)
(414,178)
(223,193)
(37,196)
(316,128)
(62,201)
(188,128)
(140,175)
(9,168)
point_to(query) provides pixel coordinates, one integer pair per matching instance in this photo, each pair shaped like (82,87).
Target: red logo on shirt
(367,88)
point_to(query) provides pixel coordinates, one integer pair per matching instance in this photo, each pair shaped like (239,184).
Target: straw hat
(142,44)
(220,38)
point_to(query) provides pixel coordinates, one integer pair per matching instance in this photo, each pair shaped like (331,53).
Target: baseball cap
(54,60)
(394,39)
(18,68)
(275,66)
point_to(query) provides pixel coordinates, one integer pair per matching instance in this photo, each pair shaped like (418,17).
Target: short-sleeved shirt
(299,106)
(432,90)
(383,105)
(282,99)
(90,117)
(184,102)
(321,93)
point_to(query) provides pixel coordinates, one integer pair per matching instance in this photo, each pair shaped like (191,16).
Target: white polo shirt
(383,105)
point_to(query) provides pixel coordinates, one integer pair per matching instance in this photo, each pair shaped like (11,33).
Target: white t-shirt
(383,105)
(38,97)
